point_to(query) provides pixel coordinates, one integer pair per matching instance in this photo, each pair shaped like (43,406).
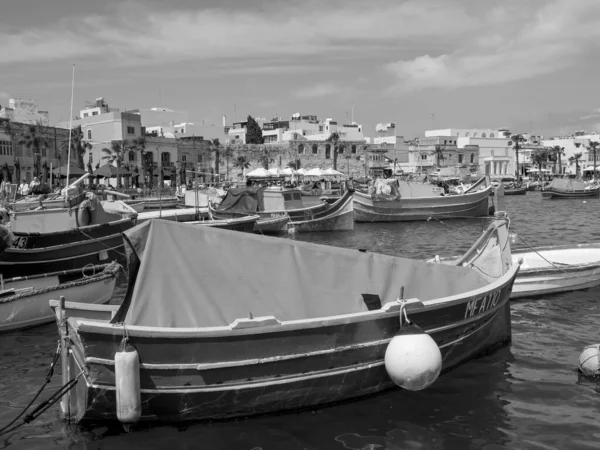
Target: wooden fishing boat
(61,239)
(160,203)
(410,201)
(24,300)
(246,224)
(308,327)
(553,269)
(565,188)
(287,204)
(515,190)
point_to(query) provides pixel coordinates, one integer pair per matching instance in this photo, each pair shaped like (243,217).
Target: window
(95,113)
(130,130)
(460,158)
(184,157)
(445,142)
(199,158)
(44,152)
(89,134)
(475,134)
(287,197)
(85,114)
(328,151)
(315,149)
(341,149)
(467,134)
(301,149)
(131,156)
(472,158)
(149,157)
(165,157)
(483,135)
(353,149)
(423,156)
(297,196)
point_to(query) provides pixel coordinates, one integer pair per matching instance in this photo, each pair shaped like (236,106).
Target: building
(24,111)
(388,137)
(165,122)
(573,144)
(427,154)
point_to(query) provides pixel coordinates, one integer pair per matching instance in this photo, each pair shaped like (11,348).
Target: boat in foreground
(549,270)
(277,325)
(24,300)
(399,201)
(279,207)
(564,188)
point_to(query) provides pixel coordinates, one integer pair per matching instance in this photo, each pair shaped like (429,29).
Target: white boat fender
(513,237)
(589,360)
(127,383)
(412,359)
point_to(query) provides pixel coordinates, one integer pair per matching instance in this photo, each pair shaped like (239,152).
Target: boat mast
(70,127)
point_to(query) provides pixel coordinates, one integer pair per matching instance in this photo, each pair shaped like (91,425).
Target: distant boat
(564,188)
(158,203)
(24,300)
(411,201)
(57,239)
(240,324)
(273,204)
(515,190)
(246,224)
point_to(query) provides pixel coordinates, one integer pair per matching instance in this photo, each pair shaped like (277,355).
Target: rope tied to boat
(46,404)
(404,320)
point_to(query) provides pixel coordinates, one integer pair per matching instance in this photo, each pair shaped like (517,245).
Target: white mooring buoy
(589,360)
(127,384)
(412,359)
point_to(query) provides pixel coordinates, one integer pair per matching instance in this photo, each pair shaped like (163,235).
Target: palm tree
(215,147)
(517,139)
(139,145)
(116,154)
(241,163)
(335,139)
(265,158)
(558,151)
(228,153)
(34,141)
(575,159)
(539,157)
(594,147)
(79,145)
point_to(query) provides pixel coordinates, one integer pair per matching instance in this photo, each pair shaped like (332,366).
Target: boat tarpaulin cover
(243,200)
(191,276)
(567,184)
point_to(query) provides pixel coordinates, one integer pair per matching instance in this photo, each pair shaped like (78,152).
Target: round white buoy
(589,360)
(127,384)
(513,237)
(584,201)
(412,359)
(292,231)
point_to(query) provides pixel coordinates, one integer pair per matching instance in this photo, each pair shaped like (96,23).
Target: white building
(572,144)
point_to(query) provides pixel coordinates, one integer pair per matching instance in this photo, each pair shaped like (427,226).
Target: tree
(215,147)
(439,154)
(334,138)
(253,132)
(265,158)
(575,159)
(241,163)
(139,145)
(594,147)
(295,164)
(116,154)
(517,139)
(558,151)
(539,157)
(34,141)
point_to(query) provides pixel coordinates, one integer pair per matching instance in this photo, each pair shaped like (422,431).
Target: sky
(529,65)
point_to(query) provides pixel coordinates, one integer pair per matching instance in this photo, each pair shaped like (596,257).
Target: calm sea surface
(528,396)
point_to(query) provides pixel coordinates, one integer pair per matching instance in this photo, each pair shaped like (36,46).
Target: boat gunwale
(551,268)
(73,231)
(471,195)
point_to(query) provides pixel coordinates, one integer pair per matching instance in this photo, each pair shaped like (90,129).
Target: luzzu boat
(287,325)
(278,207)
(564,188)
(400,201)
(59,239)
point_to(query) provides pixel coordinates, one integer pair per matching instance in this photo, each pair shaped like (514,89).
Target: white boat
(549,270)
(24,300)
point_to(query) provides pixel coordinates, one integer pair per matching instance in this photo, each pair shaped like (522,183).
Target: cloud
(137,34)
(316,91)
(511,45)
(595,113)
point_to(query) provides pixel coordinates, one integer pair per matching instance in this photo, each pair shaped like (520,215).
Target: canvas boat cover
(243,200)
(567,184)
(183,275)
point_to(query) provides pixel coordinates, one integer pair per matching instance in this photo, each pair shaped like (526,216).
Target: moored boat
(24,300)
(515,190)
(59,239)
(399,201)
(553,269)
(246,224)
(308,327)
(565,188)
(282,204)
(160,203)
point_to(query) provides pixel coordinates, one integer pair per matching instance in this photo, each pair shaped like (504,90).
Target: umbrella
(332,172)
(274,171)
(316,172)
(74,171)
(288,171)
(110,171)
(260,172)
(301,171)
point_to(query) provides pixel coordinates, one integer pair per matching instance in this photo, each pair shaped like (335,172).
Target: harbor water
(526,396)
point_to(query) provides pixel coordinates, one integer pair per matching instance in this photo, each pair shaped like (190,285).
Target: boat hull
(421,208)
(190,377)
(39,253)
(274,225)
(246,224)
(164,203)
(30,309)
(537,277)
(515,191)
(559,194)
